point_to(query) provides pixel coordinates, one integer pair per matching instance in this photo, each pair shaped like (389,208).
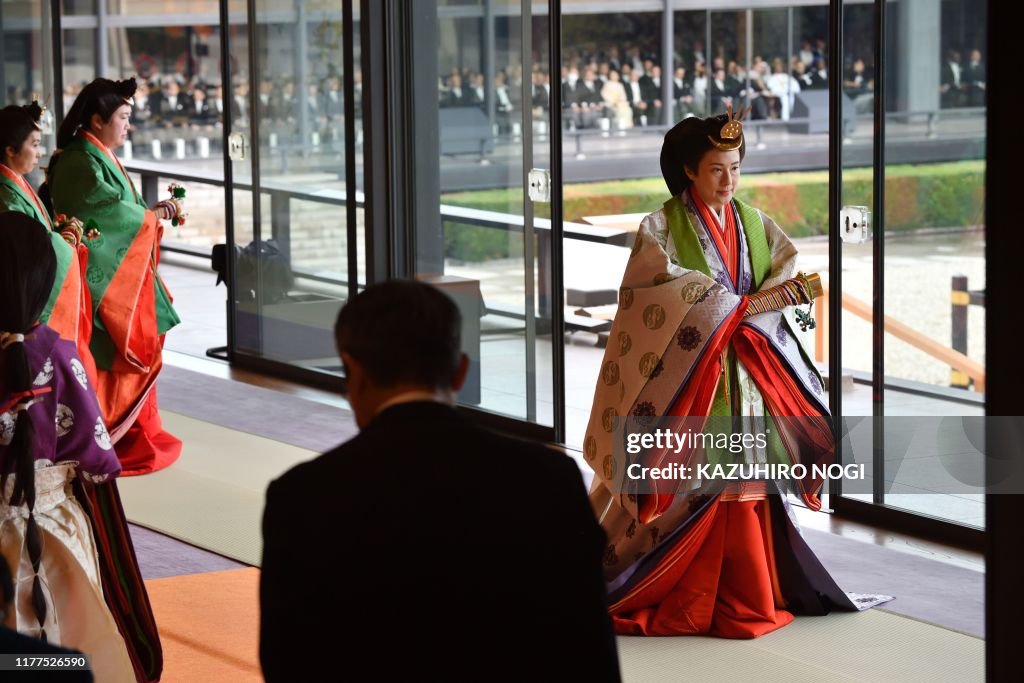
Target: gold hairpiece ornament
(731,134)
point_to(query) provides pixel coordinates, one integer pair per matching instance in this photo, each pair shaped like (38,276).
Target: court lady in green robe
(132,308)
(68,310)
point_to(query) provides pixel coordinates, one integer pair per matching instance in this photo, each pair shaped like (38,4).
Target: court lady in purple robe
(53,443)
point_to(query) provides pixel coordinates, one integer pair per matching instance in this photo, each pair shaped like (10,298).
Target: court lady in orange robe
(68,310)
(132,308)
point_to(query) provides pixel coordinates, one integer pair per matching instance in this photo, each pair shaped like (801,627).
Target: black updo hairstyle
(16,123)
(103,96)
(686,144)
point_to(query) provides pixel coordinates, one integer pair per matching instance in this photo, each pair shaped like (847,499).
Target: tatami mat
(209,626)
(864,646)
(212,497)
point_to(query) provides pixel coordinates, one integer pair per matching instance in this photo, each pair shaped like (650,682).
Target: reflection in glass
(157,7)
(79,62)
(935,242)
(292,110)
(28,69)
(79,7)
(481,264)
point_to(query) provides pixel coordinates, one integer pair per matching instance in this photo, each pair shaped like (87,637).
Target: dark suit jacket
(973,73)
(651,90)
(628,85)
(569,94)
(974,77)
(683,88)
(428,545)
(588,94)
(142,112)
(541,97)
(947,75)
(718,93)
(176,114)
(201,115)
(461,99)
(956,95)
(334,106)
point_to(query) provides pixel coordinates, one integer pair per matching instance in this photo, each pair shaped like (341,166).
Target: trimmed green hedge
(917,196)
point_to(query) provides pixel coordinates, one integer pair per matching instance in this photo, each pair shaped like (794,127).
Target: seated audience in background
(406,537)
(635,94)
(588,99)
(974,76)
(700,89)
(651,84)
(682,94)
(859,86)
(172,107)
(199,111)
(783,86)
(614,95)
(953,85)
(722,92)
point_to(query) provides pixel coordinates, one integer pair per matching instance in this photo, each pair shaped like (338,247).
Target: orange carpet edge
(209,625)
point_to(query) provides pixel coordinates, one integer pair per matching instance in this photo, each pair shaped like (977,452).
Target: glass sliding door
(26,43)
(912,287)
(934,263)
(297,248)
(479,130)
(855,271)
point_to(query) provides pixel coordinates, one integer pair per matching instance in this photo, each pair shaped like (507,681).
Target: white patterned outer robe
(666,315)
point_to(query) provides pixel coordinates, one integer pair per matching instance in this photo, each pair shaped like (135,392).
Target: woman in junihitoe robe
(132,308)
(73,436)
(691,338)
(68,310)
(51,434)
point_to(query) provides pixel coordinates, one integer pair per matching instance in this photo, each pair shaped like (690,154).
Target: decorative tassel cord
(802,289)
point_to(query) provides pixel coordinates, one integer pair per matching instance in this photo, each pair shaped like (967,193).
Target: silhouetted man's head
(397,337)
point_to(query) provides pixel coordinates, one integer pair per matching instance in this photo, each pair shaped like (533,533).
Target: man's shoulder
(462,433)
(545,463)
(366,454)
(529,448)
(328,463)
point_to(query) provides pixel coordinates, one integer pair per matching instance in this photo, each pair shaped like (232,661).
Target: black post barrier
(960,299)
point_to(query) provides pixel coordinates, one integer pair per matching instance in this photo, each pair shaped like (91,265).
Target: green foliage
(917,196)
(475,243)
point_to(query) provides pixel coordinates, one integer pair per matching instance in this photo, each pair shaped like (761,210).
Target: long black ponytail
(28,267)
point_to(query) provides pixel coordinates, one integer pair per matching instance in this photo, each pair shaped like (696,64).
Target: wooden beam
(900,330)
